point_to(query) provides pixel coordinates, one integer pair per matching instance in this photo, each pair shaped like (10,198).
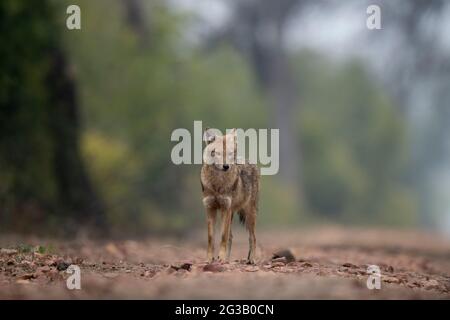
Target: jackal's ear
(232,134)
(209,136)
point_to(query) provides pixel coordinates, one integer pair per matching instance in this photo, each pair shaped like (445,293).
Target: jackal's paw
(222,259)
(211,258)
(251,261)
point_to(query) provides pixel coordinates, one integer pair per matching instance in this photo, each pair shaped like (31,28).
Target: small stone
(281,260)
(431,284)
(306,265)
(8,252)
(27,276)
(286,253)
(62,265)
(186,266)
(349,265)
(213,267)
(391,279)
(147,273)
(22,281)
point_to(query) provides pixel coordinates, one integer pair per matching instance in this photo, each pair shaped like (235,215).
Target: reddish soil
(322,263)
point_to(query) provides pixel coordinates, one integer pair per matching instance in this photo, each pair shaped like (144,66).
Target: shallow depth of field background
(86,116)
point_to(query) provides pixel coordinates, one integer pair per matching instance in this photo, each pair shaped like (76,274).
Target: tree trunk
(75,191)
(136,19)
(257,31)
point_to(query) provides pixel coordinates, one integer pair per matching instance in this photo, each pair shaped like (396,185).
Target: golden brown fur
(229,188)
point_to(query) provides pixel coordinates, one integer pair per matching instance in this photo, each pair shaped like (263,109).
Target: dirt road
(325,263)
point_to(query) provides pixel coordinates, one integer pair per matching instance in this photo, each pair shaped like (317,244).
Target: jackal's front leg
(226,228)
(211,219)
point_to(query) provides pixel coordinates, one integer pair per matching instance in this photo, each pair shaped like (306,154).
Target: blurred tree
(133,77)
(354,146)
(135,95)
(257,29)
(418,76)
(138,20)
(42,177)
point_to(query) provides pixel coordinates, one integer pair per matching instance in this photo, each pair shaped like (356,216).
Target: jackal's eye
(213,153)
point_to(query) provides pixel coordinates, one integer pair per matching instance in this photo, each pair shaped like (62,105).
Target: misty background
(86,115)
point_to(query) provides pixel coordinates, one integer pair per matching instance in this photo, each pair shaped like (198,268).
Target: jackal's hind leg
(230,239)
(251,222)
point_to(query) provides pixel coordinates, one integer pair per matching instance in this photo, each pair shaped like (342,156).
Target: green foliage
(278,204)
(28,248)
(42,178)
(133,95)
(24,248)
(353,142)
(27,34)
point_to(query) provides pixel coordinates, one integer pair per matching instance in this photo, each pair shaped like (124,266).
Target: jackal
(231,188)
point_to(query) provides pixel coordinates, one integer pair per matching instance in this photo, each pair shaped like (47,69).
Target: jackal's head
(220,149)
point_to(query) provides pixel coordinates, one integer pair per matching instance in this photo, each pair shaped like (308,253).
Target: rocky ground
(292,264)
